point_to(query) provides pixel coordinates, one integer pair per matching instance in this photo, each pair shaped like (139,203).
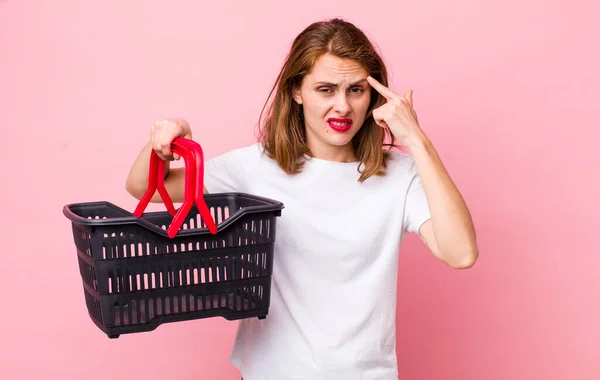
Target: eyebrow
(335,84)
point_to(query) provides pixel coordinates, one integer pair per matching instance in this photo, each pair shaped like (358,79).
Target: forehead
(334,69)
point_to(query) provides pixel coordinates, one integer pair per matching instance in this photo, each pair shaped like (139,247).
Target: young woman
(349,201)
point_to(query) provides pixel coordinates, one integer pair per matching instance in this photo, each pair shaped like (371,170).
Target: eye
(357,90)
(324,90)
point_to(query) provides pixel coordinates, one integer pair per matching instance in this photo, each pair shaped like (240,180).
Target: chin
(339,140)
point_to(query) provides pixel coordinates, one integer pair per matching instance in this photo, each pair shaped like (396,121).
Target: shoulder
(400,163)
(241,154)
(241,161)
(232,170)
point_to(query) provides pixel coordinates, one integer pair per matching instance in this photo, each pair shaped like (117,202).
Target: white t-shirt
(333,294)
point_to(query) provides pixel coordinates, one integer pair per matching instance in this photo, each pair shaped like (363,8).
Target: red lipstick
(339,124)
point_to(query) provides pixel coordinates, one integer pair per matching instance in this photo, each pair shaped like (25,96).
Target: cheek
(315,107)
(361,106)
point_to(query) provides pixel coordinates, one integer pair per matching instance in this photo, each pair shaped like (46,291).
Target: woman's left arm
(450,233)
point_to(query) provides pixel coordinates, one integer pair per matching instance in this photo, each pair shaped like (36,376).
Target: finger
(165,148)
(176,156)
(174,128)
(378,116)
(162,144)
(158,131)
(386,92)
(408,97)
(152,131)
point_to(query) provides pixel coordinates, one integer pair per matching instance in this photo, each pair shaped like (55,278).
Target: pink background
(507,90)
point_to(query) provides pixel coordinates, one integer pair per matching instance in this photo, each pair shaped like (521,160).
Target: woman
(348,204)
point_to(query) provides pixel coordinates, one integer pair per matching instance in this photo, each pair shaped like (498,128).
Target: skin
(450,233)
(334,88)
(341,88)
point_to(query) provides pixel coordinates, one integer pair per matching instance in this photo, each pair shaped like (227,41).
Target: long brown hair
(283,132)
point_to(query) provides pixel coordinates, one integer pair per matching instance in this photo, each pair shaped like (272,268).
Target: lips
(340,125)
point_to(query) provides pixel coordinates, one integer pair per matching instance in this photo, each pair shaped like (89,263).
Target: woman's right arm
(161,136)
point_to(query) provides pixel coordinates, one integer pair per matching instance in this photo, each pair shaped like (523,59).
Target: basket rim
(269,205)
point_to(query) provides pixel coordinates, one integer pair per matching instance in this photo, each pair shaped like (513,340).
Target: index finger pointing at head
(386,92)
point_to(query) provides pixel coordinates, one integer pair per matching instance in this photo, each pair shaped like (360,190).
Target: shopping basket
(211,257)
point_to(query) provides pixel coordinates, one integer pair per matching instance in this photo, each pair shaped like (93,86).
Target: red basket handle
(194,185)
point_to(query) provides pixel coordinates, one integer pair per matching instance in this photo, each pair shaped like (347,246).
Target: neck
(327,152)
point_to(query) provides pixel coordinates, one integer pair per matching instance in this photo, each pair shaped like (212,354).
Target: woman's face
(335,96)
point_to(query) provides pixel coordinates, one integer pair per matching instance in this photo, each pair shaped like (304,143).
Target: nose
(341,105)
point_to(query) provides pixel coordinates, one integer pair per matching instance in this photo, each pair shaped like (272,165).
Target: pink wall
(508,91)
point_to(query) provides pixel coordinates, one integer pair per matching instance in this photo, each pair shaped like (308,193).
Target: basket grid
(143,310)
(190,272)
(129,242)
(136,276)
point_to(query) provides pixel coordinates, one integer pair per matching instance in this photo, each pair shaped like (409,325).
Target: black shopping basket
(211,257)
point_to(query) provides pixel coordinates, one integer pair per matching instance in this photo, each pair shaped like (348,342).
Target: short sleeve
(228,172)
(416,208)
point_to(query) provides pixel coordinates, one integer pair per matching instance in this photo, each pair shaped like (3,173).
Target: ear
(296,94)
